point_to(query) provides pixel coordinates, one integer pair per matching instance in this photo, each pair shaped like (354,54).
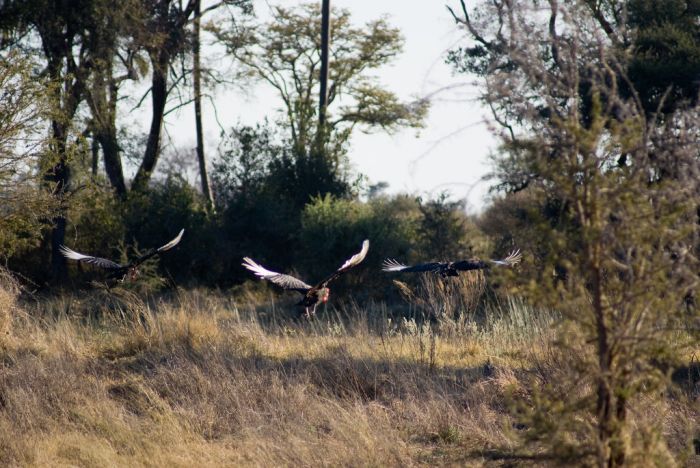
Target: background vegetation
(585,354)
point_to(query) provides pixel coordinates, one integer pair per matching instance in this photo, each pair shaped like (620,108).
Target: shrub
(155,216)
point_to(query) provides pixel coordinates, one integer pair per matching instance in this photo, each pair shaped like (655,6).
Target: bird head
(133,274)
(324,294)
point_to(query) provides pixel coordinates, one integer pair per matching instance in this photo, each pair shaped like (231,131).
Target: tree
(165,37)
(197,88)
(625,242)
(660,40)
(665,62)
(286,54)
(24,206)
(114,59)
(59,30)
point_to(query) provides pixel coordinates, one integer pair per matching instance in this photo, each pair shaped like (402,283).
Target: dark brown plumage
(445,269)
(117,270)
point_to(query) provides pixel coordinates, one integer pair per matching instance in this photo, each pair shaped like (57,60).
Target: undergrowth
(199,378)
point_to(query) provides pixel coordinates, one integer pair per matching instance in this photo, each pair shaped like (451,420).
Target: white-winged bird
(445,269)
(117,270)
(313,295)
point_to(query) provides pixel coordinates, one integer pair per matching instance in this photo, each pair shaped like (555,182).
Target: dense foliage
(599,132)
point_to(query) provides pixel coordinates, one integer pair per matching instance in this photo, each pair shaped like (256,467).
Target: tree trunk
(323,93)
(110,145)
(159,96)
(203,174)
(611,451)
(113,163)
(95,149)
(102,100)
(59,176)
(66,98)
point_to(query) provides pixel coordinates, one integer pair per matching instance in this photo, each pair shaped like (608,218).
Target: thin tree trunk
(110,145)
(59,175)
(203,174)
(113,163)
(610,453)
(95,149)
(159,96)
(323,95)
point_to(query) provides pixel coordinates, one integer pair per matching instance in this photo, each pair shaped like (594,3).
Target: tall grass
(202,378)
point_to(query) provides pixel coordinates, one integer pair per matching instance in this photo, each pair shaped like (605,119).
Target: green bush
(333,229)
(155,216)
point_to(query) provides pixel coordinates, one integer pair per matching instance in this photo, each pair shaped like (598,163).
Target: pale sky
(450,153)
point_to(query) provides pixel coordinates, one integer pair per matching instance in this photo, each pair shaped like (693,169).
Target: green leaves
(285,53)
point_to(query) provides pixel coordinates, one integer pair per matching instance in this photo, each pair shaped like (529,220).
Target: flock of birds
(312,296)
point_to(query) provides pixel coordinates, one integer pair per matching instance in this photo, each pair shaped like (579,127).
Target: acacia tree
(627,184)
(285,53)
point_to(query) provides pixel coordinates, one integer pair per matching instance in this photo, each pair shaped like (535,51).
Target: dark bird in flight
(452,268)
(117,270)
(313,295)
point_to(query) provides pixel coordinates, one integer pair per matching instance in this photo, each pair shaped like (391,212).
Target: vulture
(117,270)
(312,295)
(451,268)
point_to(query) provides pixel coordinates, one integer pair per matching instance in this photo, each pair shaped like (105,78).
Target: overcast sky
(449,154)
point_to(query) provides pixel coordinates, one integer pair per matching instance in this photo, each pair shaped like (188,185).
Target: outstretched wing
(172,243)
(512,259)
(96,261)
(285,281)
(392,265)
(160,249)
(349,264)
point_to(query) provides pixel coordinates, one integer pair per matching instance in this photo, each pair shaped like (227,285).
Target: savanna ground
(206,378)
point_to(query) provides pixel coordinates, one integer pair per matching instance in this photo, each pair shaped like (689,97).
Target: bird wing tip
(256,268)
(249,263)
(72,254)
(392,265)
(357,258)
(173,242)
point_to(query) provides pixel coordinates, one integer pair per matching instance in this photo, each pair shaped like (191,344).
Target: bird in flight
(312,295)
(117,270)
(445,269)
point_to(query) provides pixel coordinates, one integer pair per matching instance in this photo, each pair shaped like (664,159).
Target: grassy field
(203,378)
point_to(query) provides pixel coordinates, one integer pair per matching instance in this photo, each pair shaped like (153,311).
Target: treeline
(72,74)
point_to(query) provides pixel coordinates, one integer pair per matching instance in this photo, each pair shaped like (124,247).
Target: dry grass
(197,379)
(9,291)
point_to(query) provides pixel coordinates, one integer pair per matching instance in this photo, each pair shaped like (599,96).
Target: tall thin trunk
(59,175)
(197,78)
(95,149)
(67,98)
(325,44)
(611,452)
(159,96)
